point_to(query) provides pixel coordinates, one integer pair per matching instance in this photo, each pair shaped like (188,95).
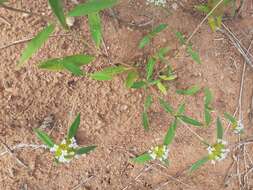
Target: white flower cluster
(65,151)
(218,152)
(238,128)
(157,2)
(159,152)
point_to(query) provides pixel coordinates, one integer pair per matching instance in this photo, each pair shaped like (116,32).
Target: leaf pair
(92,9)
(70,63)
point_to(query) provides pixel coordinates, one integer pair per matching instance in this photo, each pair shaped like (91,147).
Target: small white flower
(70,21)
(159,152)
(157,2)
(239,127)
(221,141)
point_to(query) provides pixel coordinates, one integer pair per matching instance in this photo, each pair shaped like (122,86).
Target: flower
(65,151)
(157,2)
(217,152)
(159,152)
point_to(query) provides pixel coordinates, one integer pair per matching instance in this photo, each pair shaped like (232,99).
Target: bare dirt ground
(110,113)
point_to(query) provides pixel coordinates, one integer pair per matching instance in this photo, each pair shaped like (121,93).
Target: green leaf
(181,109)
(170,134)
(180,37)
(208,117)
(190,121)
(131,78)
(208,97)
(74,127)
(35,44)
(219,129)
(150,68)
(56,6)
(138,84)
(203,8)
(108,73)
(91,7)
(161,53)
(199,163)
(148,102)
(56,64)
(193,54)
(73,68)
(166,106)
(85,150)
(146,39)
(3,1)
(230,118)
(212,23)
(142,159)
(145,121)
(95,27)
(44,138)
(161,87)
(190,91)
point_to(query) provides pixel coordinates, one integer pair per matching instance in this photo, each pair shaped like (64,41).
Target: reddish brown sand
(110,113)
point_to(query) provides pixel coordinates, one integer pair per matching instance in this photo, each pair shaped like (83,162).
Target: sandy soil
(110,112)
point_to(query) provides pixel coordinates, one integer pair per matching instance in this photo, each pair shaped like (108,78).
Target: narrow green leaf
(199,163)
(142,159)
(148,102)
(161,53)
(101,76)
(52,65)
(219,129)
(181,109)
(95,27)
(190,121)
(190,91)
(208,97)
(72,68)
(91,7)
(79,59)
(193,54)
(44,138)
(170,134)
(74,127)
(150,68)
(145,121)
(230,118)
(56,6)
(212,23)
(139,84)
(166,106)
(161,87)
(131,78)
(35,44)
(108,73)
(146,39)
(208,117)
(85,150)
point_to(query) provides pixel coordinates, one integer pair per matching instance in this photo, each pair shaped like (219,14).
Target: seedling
(237,125)
(68,149)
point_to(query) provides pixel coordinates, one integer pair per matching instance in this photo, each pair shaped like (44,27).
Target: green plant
(68,148)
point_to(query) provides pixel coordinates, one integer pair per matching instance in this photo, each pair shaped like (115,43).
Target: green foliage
(74,127)
(170,134)
(36,43)
(166,106)
(142,159)
(44,138)
(92,6)
(190,121)
(132,76)
(146,39)
(56,6)
(190,91)
(230,118)
(150,68)
(207,109)
(198,164)
(147,104)
(85,150)
(95,27)
(219,129)
(108,73)
(71,63)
